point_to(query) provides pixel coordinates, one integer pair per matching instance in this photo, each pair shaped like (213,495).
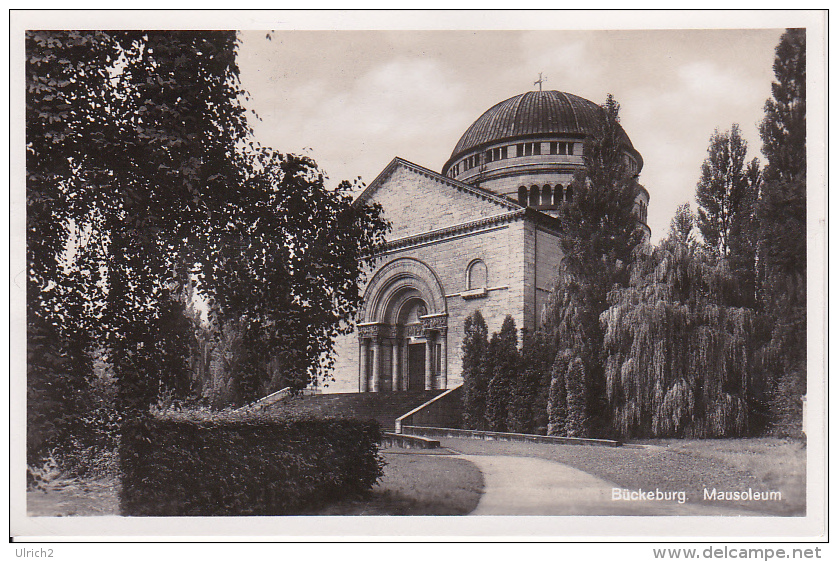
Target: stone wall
(415,202)
(520,259)
(548,254)
(499,247)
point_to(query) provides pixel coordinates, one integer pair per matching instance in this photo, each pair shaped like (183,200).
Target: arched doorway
(403,332)
(409,326)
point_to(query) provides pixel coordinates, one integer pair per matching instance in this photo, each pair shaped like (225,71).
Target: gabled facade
(454,249)
(482,235)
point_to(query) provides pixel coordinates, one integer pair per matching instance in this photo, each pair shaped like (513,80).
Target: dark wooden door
(416,366)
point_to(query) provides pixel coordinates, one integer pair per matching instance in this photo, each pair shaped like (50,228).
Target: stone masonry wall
(501,248)
(415,203)
(548,254)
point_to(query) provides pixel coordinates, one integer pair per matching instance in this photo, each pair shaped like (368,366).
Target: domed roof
(532,114)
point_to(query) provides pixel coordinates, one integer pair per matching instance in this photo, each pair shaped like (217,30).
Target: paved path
(533,486)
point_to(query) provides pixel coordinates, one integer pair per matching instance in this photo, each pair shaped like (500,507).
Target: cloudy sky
(356,99)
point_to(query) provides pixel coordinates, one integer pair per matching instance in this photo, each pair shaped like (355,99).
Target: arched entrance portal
(403,332)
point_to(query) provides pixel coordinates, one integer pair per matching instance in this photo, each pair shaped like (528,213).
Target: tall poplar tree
(782,231)
(724,192)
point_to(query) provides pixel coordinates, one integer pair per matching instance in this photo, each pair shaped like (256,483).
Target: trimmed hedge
(202,464)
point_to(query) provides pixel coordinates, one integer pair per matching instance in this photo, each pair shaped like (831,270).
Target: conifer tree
(475,379)
(782,232)
(505,362)
(557,402)
(599,230)
(528,410)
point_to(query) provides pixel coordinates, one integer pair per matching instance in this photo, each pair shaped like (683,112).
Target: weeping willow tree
(679,356)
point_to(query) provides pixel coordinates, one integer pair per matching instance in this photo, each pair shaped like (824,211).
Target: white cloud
(567,63)
(395,106)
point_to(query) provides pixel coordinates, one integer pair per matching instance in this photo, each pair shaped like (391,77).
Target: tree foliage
(725,193)
(783,130)
(143,146)
(475,378)
(65,81)
(530,389)
(287,269)
(599,230)
(557,398)
(782,232)
(679,353)
(142,180)
(682,225)
(504,359)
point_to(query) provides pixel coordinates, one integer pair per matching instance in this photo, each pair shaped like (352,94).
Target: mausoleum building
(479,235)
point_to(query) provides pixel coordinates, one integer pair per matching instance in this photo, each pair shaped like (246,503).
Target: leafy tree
(475,380)
(557,402)
(783,130)
(682,226)
(180,127)
(505,363)
(65,80)
(680,354)
(139,139)
(528,403)
(724,193)
(138,132)
(782,232)
(287,272)
(599,230)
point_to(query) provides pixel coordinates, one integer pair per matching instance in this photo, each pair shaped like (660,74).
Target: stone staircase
(382,406)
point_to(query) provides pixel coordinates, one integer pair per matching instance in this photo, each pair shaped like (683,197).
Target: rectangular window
(503,153)
(489,156)
(528,149)
(570,149)
(520,150)
(562,148)
(553,148)
(536,148)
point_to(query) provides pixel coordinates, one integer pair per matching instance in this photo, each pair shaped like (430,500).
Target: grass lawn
(416,482)
(764,464)
(436,482)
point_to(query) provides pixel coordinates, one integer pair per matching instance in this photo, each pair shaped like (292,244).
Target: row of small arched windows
(504,152)
(537,196)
